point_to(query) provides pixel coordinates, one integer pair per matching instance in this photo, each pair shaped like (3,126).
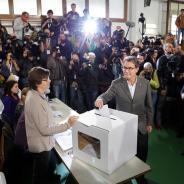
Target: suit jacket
(39,123)
(141,104)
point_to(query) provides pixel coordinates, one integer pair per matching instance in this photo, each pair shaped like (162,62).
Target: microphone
(130,24)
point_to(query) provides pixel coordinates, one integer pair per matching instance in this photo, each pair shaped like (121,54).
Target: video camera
(118,34)
(41,36)
(173,65)
(142,19)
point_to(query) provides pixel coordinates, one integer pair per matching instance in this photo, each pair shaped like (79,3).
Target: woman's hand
(72,120)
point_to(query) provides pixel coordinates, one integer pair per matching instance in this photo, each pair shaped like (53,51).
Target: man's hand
(25,24)
(72,120)
(52,33)
(71,62)
(99,103)
(149,128)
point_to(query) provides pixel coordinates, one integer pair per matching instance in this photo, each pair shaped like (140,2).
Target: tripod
(142,21)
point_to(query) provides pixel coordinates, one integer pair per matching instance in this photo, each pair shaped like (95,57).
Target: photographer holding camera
(174,90)
(21,25)
(115,59)
(75,80)
(49,22)
(90,79)
(119,41)
(163,73)
(11,64)
(57,66)
(170,72)
(53,26)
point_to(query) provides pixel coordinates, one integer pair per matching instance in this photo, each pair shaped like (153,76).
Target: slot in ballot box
(105,142)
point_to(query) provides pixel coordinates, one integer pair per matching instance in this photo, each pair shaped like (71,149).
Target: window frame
(12,16)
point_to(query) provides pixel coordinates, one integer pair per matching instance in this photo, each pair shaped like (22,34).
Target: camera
(58,50)
(118,34)
(158,41)
(58,53)
(89,65)
(41,36)
(49,22)
(118,52)
(146,41)
(141,19)
(173,65)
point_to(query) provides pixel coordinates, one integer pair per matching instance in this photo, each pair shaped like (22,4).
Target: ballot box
(105,142)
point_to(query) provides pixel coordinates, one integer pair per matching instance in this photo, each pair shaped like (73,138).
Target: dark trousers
(44,164)
(142,146)
(142,152)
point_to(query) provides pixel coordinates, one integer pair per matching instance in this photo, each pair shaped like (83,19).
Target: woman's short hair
(132,59)
(36,75)
(8,87)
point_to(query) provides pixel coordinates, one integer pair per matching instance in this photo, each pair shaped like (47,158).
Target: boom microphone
(130,24)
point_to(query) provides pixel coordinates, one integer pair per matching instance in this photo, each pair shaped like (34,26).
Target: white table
(86,174)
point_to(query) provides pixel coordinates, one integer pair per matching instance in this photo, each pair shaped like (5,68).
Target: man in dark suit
(133,95)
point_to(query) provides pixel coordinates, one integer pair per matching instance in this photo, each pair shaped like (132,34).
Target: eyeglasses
(128,68)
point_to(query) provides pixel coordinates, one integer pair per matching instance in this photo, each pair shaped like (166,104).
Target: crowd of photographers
(82,66)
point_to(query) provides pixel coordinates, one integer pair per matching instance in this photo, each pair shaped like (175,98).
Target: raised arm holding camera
(21,25)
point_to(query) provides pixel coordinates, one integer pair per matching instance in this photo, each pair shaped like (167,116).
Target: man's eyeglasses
(128,68)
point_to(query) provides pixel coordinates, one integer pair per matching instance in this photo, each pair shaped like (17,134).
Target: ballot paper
(57,114)
(64,139)
(104,111)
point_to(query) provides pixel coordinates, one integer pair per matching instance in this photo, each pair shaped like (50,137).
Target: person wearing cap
(180,25)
